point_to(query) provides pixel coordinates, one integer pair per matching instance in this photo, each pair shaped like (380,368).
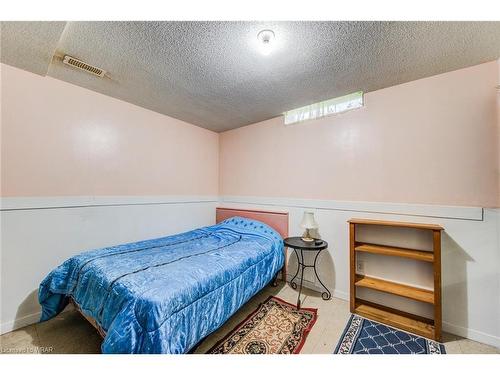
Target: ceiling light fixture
(266,38)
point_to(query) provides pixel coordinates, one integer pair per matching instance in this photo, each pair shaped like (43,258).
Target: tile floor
(71,333)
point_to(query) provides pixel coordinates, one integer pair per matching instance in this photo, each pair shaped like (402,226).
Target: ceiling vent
(74,62)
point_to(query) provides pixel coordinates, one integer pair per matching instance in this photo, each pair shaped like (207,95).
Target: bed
(165,295)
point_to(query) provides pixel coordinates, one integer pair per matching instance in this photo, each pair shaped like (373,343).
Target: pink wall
(431,141)
(60,140)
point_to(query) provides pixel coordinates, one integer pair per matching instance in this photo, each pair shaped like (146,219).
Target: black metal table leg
(302,266)
(325,295)
(293,284)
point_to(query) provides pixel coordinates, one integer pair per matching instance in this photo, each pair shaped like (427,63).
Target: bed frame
(276,220)
(89,319)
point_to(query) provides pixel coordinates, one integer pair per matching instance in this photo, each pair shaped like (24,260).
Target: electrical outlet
(360,266)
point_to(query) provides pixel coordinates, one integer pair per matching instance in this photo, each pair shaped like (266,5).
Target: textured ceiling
(212,74)
(30,45)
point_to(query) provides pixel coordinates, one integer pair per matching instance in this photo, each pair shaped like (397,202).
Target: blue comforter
(165,295)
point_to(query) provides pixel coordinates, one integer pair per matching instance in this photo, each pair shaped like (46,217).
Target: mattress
(164,295)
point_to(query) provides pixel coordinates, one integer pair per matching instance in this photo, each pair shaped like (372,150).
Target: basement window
(325,108)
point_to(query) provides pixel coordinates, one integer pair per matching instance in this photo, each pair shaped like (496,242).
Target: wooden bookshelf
(430,328)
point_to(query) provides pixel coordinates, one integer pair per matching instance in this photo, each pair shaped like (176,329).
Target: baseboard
(472,334)
(312,286)
(26,320)
(20,322)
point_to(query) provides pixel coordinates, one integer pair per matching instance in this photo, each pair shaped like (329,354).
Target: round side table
(299,246)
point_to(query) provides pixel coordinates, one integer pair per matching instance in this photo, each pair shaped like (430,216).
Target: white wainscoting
(470,256)
(40,233)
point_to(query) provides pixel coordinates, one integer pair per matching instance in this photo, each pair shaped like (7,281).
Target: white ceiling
(212,74)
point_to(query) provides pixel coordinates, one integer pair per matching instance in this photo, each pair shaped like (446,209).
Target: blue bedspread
(164,295)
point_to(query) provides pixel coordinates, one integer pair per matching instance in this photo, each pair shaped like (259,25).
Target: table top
(298,243)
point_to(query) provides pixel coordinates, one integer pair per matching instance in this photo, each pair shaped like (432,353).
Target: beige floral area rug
(276,327)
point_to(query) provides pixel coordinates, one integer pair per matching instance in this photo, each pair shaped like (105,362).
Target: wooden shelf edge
(393,310)
(425,256)
(395,318)
(402,290)
(396,224)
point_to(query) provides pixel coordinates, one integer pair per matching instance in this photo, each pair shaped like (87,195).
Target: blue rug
(364,336)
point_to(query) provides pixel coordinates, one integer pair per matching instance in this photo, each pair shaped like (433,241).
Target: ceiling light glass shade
(308,221)
(266,39)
